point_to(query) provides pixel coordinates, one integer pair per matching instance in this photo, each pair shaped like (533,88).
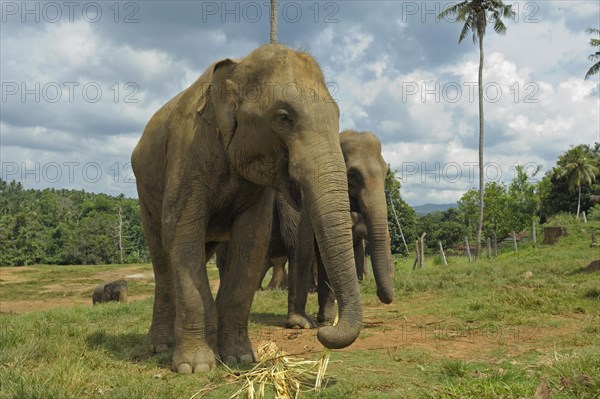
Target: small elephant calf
(113,291)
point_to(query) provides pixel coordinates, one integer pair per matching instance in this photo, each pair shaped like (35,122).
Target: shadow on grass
(268,319)
(130,347)
(594,266)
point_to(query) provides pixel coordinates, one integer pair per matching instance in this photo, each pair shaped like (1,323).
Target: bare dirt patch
(443,338)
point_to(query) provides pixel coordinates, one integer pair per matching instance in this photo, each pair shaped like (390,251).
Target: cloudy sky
(81,79)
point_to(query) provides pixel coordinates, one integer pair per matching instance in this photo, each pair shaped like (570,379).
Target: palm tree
(274,31)
(475,15)
(578,165)
(594,69)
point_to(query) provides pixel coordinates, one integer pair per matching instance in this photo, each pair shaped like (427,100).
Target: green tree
(523,199)
(468,206)
(475,15)
(446,226)
(579,166)
(594,43)
(496,210)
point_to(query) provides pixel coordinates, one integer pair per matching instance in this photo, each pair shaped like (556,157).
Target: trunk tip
(385,297)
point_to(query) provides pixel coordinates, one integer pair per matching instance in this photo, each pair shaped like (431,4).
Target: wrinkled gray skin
(366,170)
(282,243)
(205,168)
(113,291)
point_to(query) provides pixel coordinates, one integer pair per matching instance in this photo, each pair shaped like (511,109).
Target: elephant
(366,173)
(113,291)
(207,167)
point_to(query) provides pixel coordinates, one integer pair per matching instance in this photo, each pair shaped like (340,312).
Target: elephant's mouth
(354,206)
(295,194)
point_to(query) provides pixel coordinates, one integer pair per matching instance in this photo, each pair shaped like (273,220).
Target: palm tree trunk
(274,31)
(481,187)
(578,200)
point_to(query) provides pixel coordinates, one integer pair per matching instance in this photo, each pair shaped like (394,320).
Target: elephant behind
(112,291)
(366,171)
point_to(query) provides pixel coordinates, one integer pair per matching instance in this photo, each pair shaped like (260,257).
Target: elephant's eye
(353,175)
(283,119)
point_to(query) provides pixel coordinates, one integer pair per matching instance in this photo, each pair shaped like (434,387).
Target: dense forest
(76,227)
(68,227)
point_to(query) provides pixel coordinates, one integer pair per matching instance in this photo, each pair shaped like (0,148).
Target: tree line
(68,227)
(571,186)
(76,227)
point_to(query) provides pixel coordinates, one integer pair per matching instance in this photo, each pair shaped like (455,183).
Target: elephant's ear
(218,107)
(108,289)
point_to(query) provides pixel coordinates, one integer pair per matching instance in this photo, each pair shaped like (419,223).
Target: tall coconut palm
(595,43)
(475,15)
(578,165)
(274,31)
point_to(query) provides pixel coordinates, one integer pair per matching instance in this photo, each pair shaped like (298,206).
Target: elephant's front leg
(300,265)
(245,259)
(195,318)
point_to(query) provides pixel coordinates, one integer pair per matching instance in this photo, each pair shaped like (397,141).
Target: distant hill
(430,208)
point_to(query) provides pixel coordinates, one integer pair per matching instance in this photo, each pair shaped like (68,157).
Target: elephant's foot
(237,350)
(193,357)
(299,320)
(160,338)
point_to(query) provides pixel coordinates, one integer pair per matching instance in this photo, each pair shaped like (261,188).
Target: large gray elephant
(205,168)
(112,291)
(366,170)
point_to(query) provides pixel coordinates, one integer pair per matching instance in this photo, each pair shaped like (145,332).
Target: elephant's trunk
(374,210)
(325,194)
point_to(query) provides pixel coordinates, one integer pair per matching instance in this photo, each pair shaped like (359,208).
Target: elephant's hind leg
(161,335)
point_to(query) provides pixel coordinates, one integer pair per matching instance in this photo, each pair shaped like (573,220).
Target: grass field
(500,328)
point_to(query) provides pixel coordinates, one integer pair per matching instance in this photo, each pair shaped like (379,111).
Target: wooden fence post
(418,252)
(422,257)
(468,249)
(495,246)
(584,217)
(515,242)
(442,254)
(489,248)
(533,235)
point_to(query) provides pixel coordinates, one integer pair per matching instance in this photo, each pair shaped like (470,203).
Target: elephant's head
(366,171)
(116,291)
(279,126)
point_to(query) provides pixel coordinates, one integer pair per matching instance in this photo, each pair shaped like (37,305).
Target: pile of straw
(287,374)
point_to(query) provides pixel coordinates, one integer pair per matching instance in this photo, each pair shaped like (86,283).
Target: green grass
(474,330)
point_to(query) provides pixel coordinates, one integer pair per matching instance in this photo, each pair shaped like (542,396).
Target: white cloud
(544,106)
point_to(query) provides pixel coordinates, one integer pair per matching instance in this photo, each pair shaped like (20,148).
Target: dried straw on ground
(288,375)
